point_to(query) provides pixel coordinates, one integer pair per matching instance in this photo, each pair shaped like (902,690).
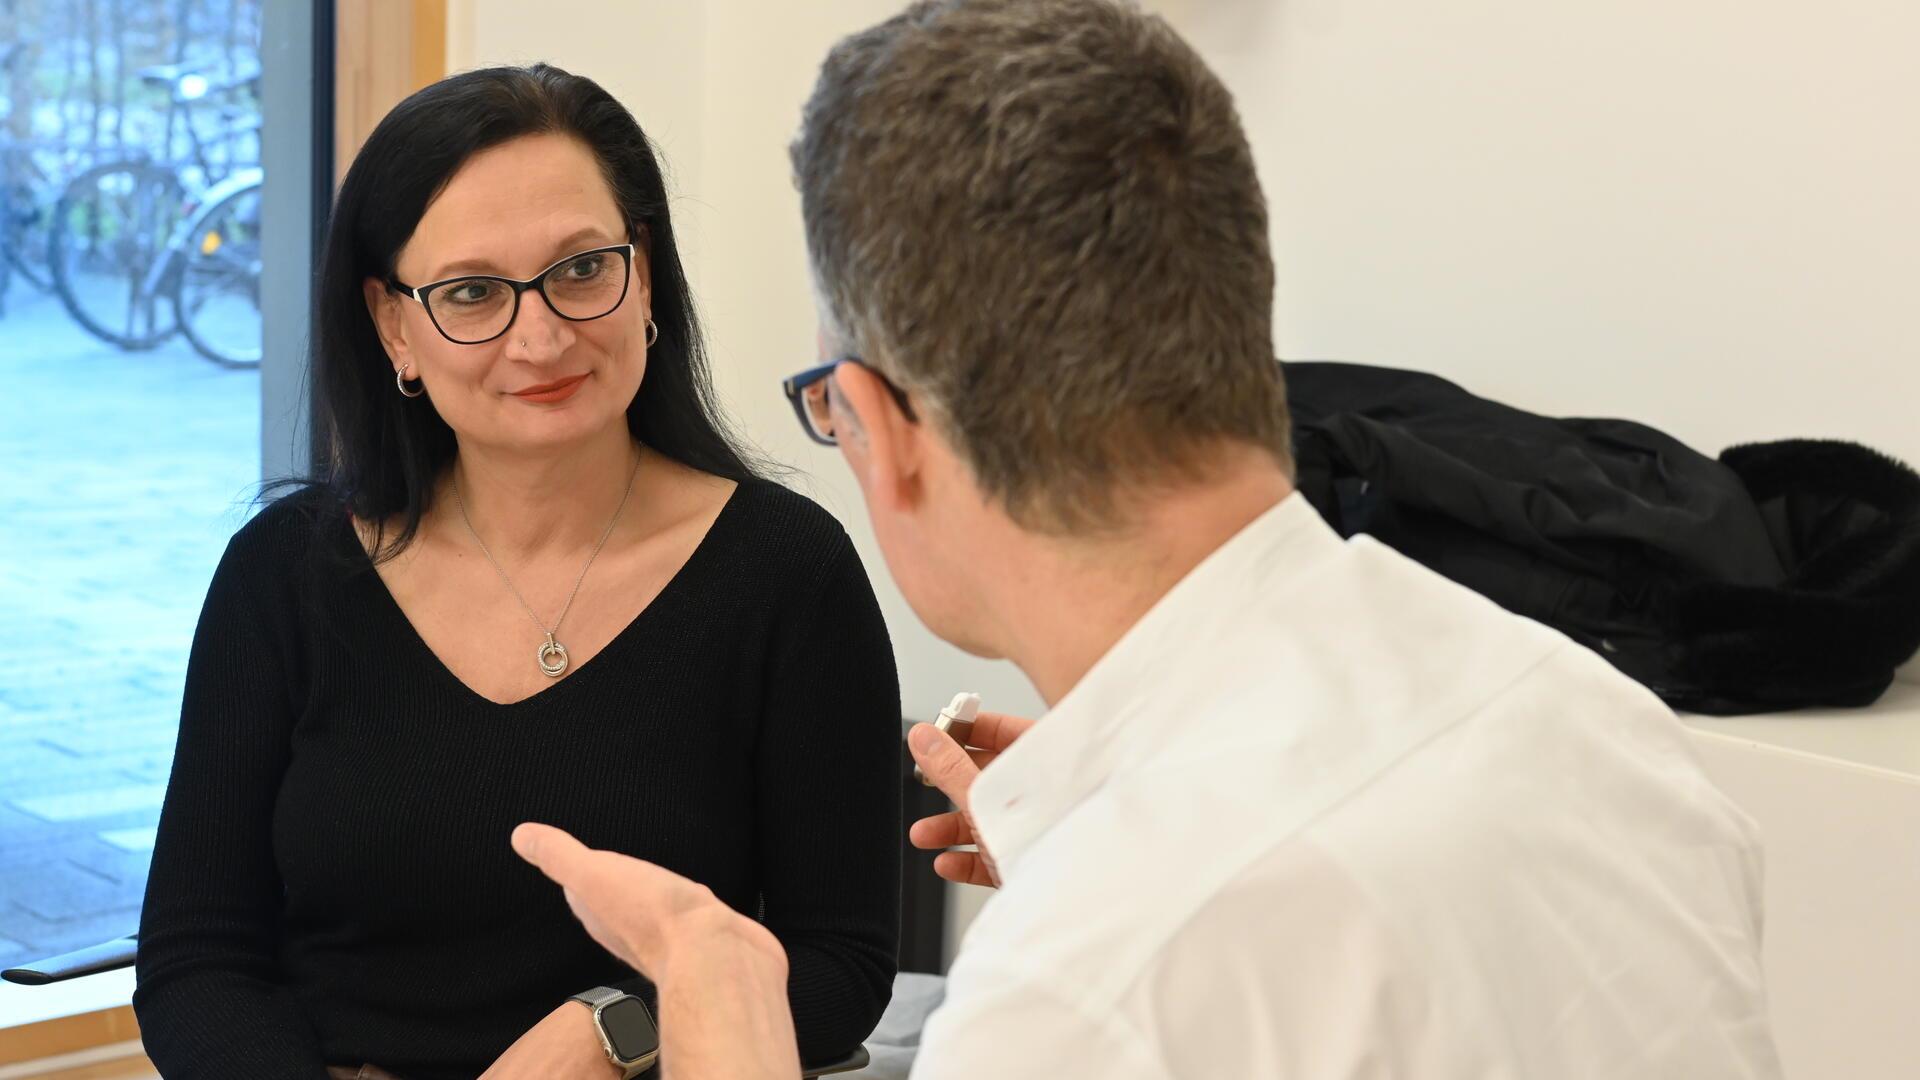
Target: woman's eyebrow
(581,239)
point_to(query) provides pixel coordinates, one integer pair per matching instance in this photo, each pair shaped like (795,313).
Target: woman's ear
(383,305)
(643,268)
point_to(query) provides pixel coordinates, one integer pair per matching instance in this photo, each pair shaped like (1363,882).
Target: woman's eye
(470,292)
(586,267)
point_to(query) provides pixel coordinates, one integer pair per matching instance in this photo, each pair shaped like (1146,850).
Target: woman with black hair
(535,582)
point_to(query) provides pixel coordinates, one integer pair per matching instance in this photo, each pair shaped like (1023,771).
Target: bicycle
(135,259)
(217,297)
(29,169)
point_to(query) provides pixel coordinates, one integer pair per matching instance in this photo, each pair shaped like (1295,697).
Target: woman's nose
(536,333)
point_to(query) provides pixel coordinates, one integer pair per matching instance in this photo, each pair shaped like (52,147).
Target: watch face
(629,1027)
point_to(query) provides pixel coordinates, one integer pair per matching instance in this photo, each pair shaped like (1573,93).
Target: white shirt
(1323,813)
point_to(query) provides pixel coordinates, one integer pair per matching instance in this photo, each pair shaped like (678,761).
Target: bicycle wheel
(110,226)
(218,301)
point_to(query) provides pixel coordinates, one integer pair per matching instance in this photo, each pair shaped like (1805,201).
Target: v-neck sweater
(332,881)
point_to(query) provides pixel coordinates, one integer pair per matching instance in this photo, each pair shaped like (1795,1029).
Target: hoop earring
(653,333)
(400,381)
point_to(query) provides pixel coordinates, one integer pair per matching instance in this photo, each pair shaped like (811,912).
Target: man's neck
(1073,600)
(525,505)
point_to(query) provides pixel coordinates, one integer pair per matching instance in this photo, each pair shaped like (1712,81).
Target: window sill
(97,1000)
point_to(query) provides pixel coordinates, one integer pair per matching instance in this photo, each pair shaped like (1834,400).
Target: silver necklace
(552,655)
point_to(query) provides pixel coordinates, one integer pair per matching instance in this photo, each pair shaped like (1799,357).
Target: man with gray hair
(1298,808)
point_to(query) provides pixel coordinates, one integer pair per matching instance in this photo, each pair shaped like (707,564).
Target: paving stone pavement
(121,477)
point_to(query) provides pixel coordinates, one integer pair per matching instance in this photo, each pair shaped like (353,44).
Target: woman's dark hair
(385,451)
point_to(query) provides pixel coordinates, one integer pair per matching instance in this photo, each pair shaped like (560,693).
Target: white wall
(1696,213)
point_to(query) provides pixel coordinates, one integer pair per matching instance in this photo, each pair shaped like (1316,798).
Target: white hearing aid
(961,710)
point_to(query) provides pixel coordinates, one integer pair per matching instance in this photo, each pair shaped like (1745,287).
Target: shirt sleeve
(209,998)
(827,807)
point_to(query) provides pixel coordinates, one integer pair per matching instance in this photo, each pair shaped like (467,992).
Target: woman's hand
(951,764)
(564,1044)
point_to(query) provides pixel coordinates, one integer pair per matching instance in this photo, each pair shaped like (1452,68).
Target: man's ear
(383,305)
(877,438)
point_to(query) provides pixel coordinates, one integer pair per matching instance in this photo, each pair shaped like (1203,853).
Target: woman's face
(512,211)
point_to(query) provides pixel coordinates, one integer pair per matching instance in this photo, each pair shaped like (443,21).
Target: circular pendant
(553,658)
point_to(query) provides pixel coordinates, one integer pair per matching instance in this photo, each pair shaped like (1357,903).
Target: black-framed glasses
(807,392)
(476,308)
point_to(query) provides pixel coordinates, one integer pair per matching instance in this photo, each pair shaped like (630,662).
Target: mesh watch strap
(598,998)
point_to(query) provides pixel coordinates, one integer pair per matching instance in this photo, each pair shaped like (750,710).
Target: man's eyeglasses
(477,308)
(807,392)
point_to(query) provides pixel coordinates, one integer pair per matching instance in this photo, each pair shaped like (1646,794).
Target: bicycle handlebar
(187,83)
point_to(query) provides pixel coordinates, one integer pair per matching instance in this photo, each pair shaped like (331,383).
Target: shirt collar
(1127,707)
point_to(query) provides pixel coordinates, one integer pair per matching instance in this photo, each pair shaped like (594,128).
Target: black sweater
(332,883)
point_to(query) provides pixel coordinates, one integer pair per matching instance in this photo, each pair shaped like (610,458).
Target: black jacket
(1781,575)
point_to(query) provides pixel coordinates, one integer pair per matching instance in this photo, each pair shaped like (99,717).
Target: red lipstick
(549,393)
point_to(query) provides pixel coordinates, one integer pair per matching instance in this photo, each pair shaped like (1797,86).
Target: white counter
(1838,795)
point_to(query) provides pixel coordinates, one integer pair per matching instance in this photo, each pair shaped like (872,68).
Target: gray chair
(91,960)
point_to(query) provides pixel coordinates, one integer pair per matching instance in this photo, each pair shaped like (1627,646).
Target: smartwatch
(626,1027)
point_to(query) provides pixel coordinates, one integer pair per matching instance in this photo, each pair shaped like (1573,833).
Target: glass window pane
(130,443)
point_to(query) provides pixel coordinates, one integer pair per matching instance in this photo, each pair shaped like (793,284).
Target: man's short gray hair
(1042,217)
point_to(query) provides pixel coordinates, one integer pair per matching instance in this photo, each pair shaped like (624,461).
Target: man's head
(1038,220)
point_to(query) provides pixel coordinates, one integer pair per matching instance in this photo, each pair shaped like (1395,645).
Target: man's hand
(722,977)
(634,908)
(951,764)
(565,1043)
